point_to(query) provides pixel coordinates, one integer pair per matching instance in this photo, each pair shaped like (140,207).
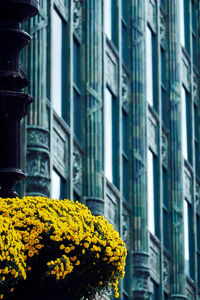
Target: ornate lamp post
(14,102)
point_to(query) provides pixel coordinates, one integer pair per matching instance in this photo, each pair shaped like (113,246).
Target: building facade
(115,125)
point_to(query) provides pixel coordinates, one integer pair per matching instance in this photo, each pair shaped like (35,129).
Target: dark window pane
(164,100)
(166,229)
(76,63)
(125,133)
(155,291)
(198,233)
(125,178)
(77,115)
(124,43)
(198,269)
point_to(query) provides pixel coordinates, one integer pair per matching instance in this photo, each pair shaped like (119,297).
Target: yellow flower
(67,250)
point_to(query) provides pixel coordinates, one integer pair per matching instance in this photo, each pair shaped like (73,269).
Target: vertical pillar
(178,274)
(94,179)
(38,121)
(14,102)
(141,273)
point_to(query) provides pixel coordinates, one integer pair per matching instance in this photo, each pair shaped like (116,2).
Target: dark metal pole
(14,102)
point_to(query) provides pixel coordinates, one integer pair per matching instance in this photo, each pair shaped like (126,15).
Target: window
(77,104)
(55,185)
(196,138)
(194,32)
(182,22)
(155,291)
(164,98)
(166,218)
(108,18)
(124,31)
(184,124)
(149,66)
(110,136)
(76,63)
(77,115)
(151,194)
(56,71)
(187,238)
(125,135)
(198,249)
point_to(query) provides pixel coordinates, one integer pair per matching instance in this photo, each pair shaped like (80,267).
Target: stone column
(94,179)
(178,274)
(141,273)
(14,102)
(38,121)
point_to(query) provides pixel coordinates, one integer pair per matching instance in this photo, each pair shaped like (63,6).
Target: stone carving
(140,259)
(141,283)
(166,272)
(111,73)
(197,198)
(125,229)
(138,34)
(164,150)
(38,171)
(77,169)
(58,148)
(189,293)
(153,133)
(38,137)
(195,88)
(187,185)
(152,13)
(154,262)
(111,211)
(185,73)
(124,91)
(162,29)
(96,205)
(77,17)
(38,164)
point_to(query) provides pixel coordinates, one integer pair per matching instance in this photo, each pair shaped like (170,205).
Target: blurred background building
(115,125)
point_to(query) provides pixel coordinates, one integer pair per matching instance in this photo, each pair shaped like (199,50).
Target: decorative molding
(166,274)
(38,137)
(77,169)
(38,172)
(138,24)
(77,18)
(185,70)
(124,91)
(154,260)
(189,292)
(187,185)
(96,205)
(163,32)
(197,198)
(195,88)
(153,133)
(60,153)
(152,13)
(164,149)
(126,228)
(111,207)
(63,7)
(111,71)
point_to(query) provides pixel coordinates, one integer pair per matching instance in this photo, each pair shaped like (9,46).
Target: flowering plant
(58,243)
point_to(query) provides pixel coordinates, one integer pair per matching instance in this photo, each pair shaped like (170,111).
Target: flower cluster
(60,241)
(12,260)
